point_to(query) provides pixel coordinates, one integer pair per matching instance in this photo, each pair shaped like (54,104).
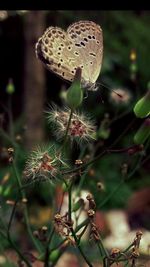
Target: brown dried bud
(18,138)
(89,196)
(10,150)
(78,162)
(135,254)
(139,233)
(94,232)
(91,213)
(44,228)
(70,240)
(36,234)
(10,160)
(91,172)
(100,186)
(58,217)
(92,204)
(115,252)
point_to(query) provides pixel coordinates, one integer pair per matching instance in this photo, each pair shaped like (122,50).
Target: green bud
(75,93)
(103,133)
(54,255)
(7,191)
(10,88)
(79,204)
(133,67)
(143,133)
(142,107)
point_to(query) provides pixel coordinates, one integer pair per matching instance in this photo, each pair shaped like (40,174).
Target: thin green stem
(72,231)
(120,184)
(80,249)
(2,234)
(11,128)
(70,202)
(114,191)
(46,261)
(7,137)
(67,130)
(105,151)
(85,222)
(48,251)
(103,248)
(26,216)
(10,239)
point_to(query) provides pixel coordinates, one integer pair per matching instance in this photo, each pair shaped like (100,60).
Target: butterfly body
(80,46)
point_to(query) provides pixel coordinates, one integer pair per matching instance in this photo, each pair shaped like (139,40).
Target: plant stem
(9,236)
(67,130)
(46,261)
(72,231)
(105,151)
(80,249)
(25,208)
(6,136)
(11,128)
(70,202)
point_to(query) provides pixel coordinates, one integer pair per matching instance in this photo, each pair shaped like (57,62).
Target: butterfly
(62,52)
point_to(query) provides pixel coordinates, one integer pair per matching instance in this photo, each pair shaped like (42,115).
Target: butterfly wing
(81,46)
(54,49)
(88,39)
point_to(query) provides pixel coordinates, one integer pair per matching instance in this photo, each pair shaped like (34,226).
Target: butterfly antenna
(110,89)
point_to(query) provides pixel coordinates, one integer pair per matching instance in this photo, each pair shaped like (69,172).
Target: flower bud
(133,55)
(133,67)
(142,107)
(143,133)
(75,93)
(10,88)
(54,255)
